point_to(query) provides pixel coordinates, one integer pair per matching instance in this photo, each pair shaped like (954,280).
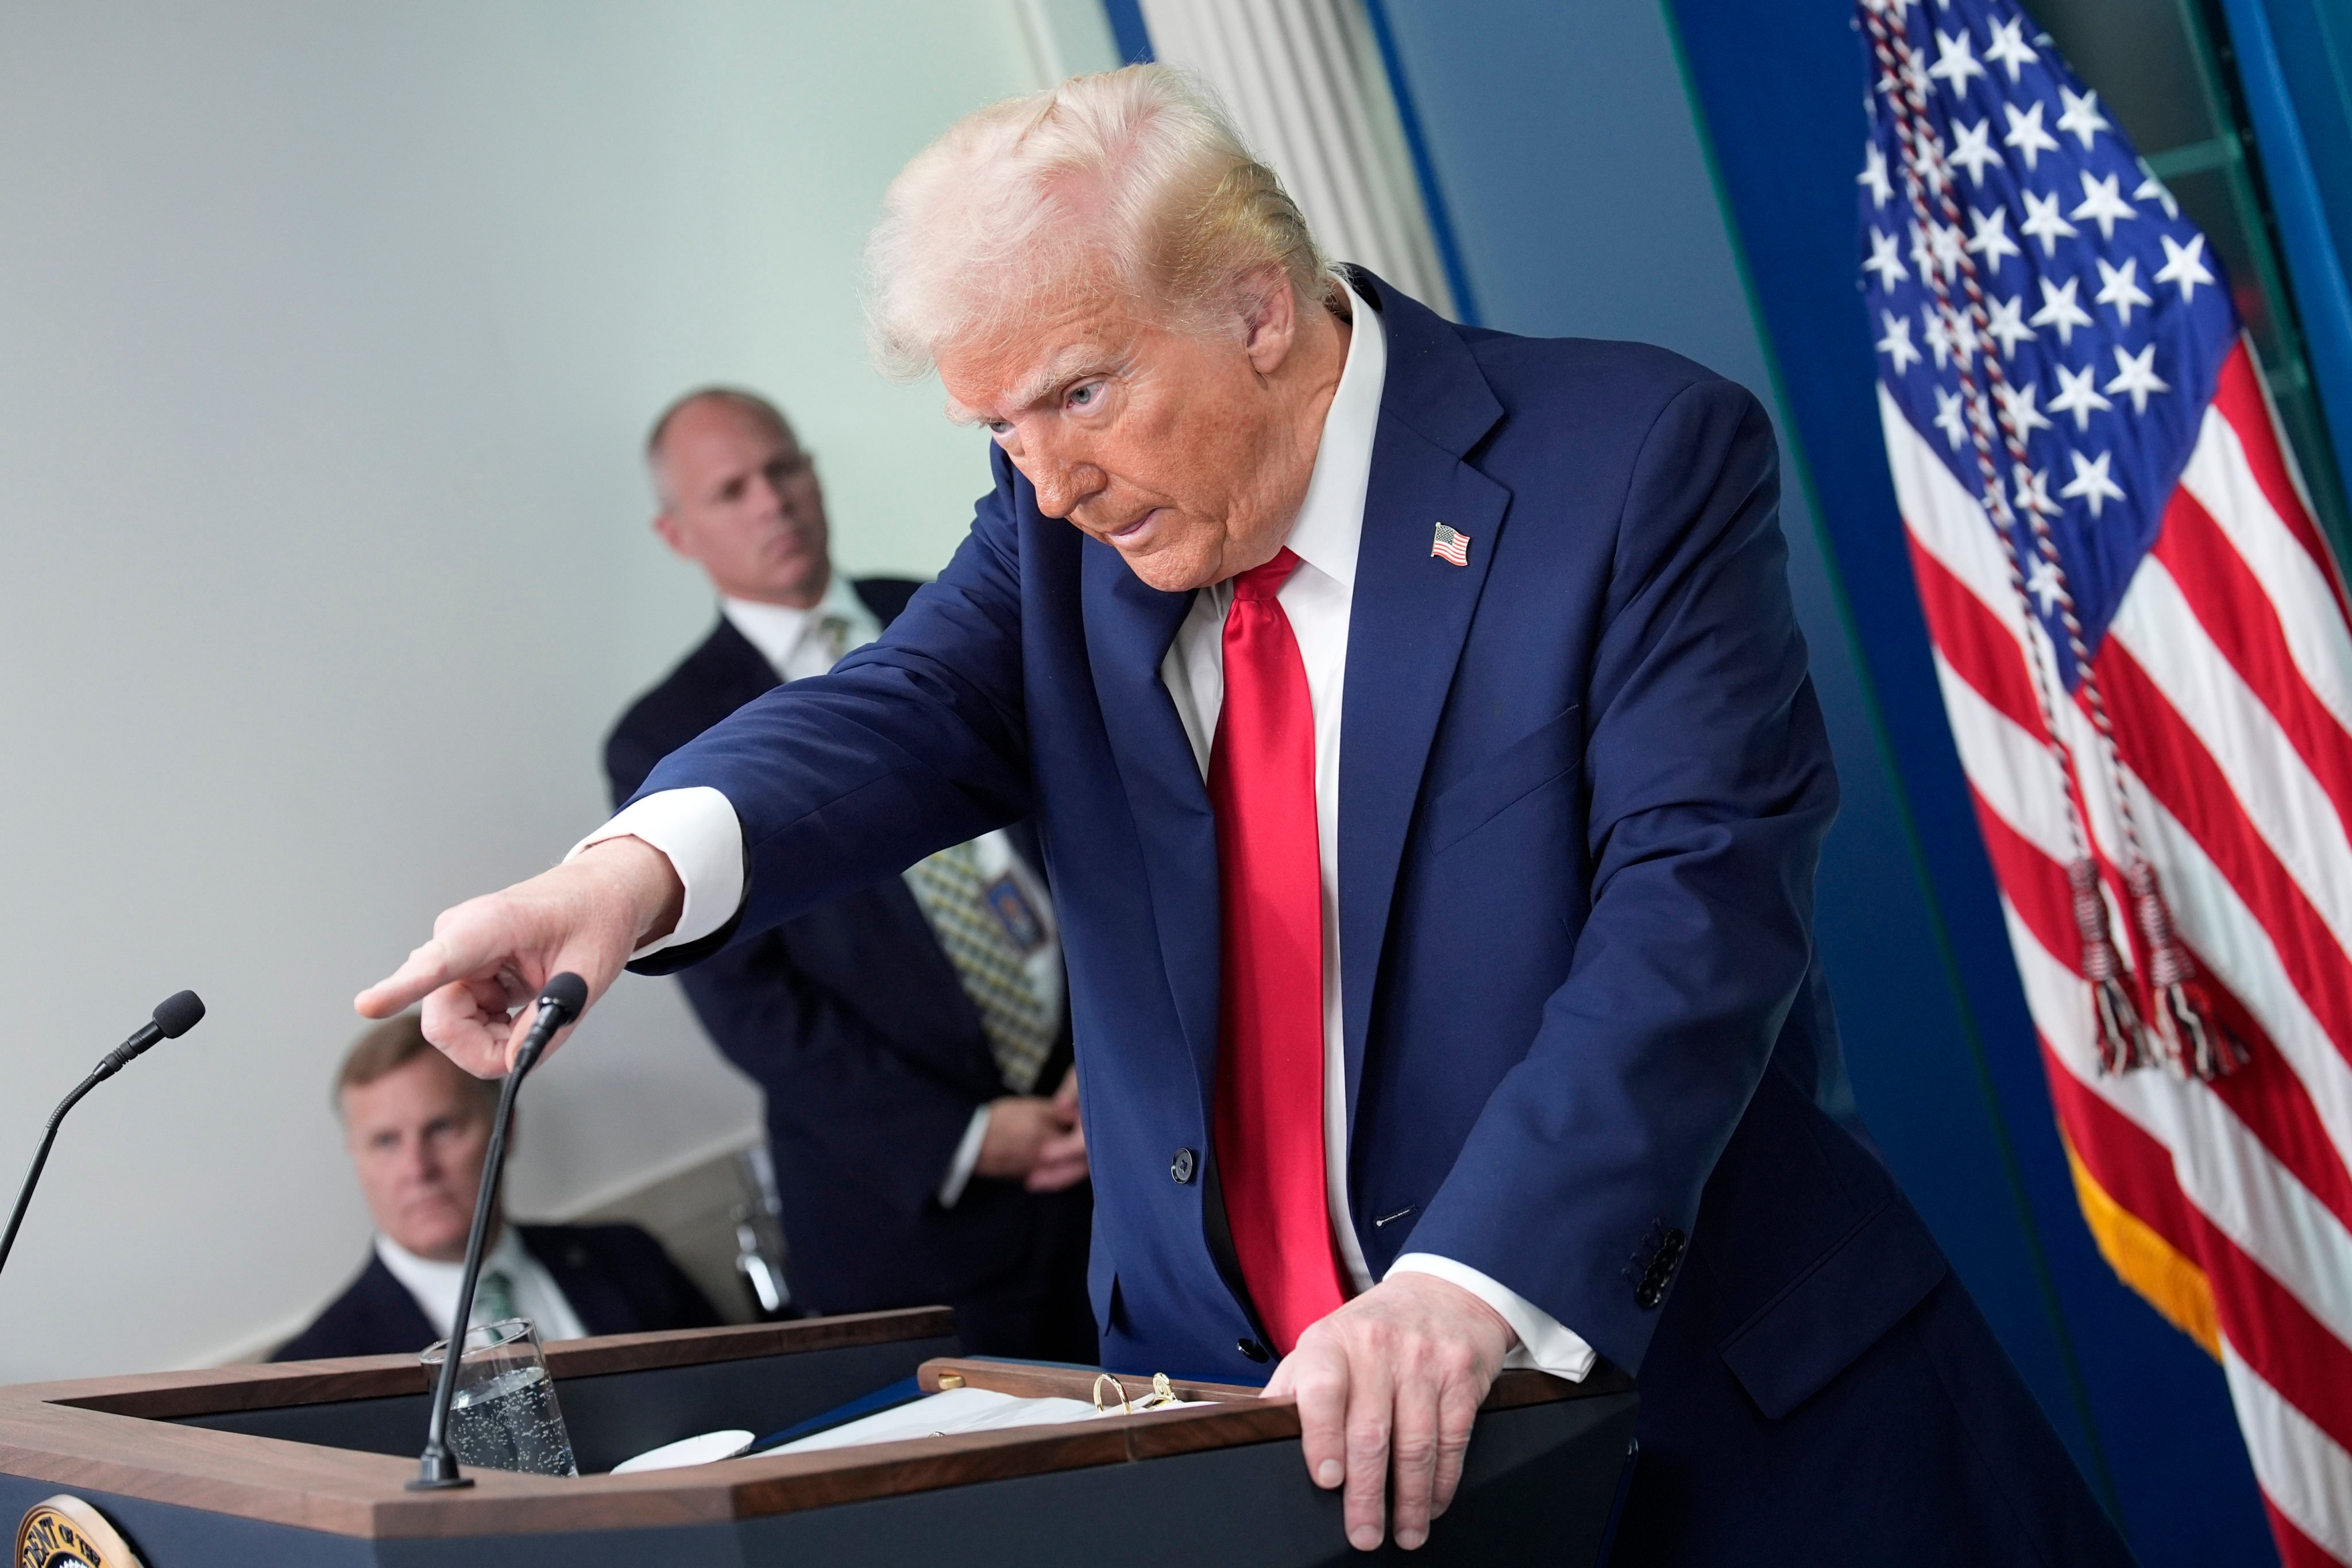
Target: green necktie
(954,896)
(832,635)
(494,1299)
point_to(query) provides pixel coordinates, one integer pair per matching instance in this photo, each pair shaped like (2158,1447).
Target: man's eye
(1086,397)
(999,428)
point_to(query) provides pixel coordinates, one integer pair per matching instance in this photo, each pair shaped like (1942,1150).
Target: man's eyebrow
(1076,362)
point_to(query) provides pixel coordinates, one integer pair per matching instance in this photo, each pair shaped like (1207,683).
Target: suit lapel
(1129,626)
(597,1300)
(1409,618)
(740,670)
(399,1321)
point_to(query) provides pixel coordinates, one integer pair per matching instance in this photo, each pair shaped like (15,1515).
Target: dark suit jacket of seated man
(418,1128)
(878,1073)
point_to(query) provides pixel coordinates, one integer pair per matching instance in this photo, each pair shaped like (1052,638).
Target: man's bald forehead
(749,405)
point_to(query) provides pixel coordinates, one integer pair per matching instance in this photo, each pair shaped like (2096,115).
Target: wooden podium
(307,1463)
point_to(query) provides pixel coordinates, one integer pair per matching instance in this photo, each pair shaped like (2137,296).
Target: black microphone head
(565,992)
(176,1015)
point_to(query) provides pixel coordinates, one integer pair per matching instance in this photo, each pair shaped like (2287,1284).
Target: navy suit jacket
(1582,794)
(1588,1052)
(617,1279)
(851,1018)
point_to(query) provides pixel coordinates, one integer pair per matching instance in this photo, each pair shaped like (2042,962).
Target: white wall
(327,332)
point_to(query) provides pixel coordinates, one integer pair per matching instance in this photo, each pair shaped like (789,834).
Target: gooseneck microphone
(560,1001)
(173,1017)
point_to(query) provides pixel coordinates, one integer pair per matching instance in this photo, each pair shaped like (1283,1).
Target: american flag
(2144,655)
(1448,544)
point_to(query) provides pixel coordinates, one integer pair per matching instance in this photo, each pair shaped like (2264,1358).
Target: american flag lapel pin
(1451,546)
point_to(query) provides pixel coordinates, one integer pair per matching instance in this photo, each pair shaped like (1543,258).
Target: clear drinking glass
(504,1416)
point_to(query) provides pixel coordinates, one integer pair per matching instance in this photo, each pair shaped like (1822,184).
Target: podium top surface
(135,1437)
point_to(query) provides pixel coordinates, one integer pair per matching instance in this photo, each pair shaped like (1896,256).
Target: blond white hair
(1135,179)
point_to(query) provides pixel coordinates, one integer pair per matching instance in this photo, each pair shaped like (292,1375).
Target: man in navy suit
(418,1130)
(1538,932)
(910,1170)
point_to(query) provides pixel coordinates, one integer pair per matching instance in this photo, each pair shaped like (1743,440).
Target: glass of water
(504,1416)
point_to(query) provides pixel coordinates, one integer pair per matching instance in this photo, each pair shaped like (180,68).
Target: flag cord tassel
(2123,1041)
(2195,1040)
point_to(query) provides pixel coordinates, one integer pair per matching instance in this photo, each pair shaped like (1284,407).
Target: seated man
(418,1128)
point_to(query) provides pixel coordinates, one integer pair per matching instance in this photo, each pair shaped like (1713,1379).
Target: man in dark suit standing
(908,1033)
(418,1129)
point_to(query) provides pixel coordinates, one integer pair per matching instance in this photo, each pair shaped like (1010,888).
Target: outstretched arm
(913,743)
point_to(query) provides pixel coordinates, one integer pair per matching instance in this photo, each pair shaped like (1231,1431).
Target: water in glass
(510,1422)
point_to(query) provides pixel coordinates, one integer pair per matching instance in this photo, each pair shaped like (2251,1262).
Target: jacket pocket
(1842,1305)
(1517,771)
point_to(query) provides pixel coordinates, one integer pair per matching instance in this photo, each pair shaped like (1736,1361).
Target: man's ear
(666,529)
(1270,319)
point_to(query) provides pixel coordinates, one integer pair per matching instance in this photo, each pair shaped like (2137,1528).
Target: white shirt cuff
(967,1159)
(698,831)
(1545,1343)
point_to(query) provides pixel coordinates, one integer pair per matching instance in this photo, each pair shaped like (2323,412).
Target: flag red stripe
(2230,604)
(2238,398)
(1975,642)
(2296,1549)
(2273,1332)
(2268,1097)
(2265,1095)
(2134,1168)
(2177,768)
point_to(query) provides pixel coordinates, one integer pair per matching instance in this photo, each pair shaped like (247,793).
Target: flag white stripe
(2019,783)
(2221,1165)
(2015,775)
(2306,1473)
(2223,482)
(2282,800)
(2012,770)
(1948,521)
(2219,927)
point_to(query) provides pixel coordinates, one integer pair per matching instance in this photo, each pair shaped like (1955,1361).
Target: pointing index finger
(426,969)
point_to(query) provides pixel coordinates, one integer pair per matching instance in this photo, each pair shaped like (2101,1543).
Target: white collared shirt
(790,640)
(435,1286)
(700,834)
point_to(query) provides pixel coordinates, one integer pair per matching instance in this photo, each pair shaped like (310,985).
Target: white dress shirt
(794,644)
(698,830)
(792,641)
(435,1286)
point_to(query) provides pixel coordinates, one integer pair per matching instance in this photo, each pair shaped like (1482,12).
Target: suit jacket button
(1648,1295)
(1253,1349)
(1181,1167)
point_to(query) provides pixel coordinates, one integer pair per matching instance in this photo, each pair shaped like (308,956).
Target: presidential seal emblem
(66,1533)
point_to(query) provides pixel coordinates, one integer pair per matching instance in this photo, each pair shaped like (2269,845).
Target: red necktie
(1269,1102)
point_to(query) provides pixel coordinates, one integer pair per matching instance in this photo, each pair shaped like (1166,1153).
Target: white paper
(950,1411)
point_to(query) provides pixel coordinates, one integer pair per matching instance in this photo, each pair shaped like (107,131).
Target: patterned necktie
(494,1299)
(954,896)
(831,634)
(1270,1096)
